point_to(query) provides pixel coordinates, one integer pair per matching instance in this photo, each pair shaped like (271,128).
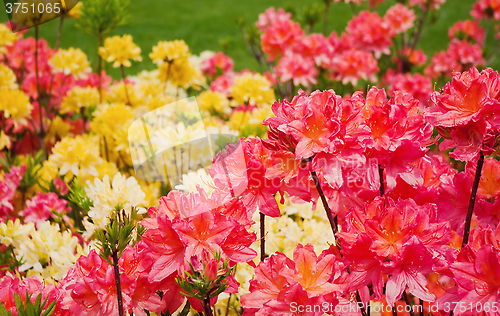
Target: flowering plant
(322,195)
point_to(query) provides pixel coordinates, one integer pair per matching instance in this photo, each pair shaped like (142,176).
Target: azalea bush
(356,175)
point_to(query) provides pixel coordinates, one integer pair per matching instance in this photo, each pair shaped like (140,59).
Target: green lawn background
(204,23)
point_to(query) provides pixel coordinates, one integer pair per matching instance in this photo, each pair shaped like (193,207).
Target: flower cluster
(353,195)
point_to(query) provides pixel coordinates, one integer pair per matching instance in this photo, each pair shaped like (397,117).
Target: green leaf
(3,310)
(50,309)
(38,302)
(19,305)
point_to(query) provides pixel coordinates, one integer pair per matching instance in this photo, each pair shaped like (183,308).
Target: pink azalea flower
(8,188)
(223,83)
(365,268)
(425,4)
(442,64)
(270,16)
(166,248)
(92,80)
(468,30)
(179,230)
(478,280)
(466,53)
(301,70)
(418,86)
(371,33)
(41,206)
(313,273)
(453,201)
(217,64)
(239,170)
(10,285)
(91,285)
(465,112)
(354,65)
(400,18)
(316,47)
(280,36)
(307,279)
(408,271)
(268,282)
(486,9)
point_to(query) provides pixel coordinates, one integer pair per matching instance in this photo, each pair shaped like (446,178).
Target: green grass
(203,24)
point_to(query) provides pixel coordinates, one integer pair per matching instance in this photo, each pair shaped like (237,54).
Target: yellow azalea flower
(193,179)
(104,168)
(7,37)
(152,191)
(238,120)
(214,102)
(14,233)
(58,129)
(48,251)
(4,141)
(119,49)
(253,89)
(117,94)
(171,136)
(109,118)
(179,72)
(111,123)
(149,89)
(70,61)
(121,193)
(78,98)
(169,51)
(78,156)
(14,104)
(7,77)
(260,114)
(158,101)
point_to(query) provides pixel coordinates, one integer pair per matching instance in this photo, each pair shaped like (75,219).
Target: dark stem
(358,299)
(59,31)
(41,134)
(381,176)
(124,84)
(421,303)
(262,237)
(333,225)
(36,64)
(228,301)
(206,306)
(472,200)
(118,284)
(354,9)
(407,300)
(394,311)
(331,219)
(418,30)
